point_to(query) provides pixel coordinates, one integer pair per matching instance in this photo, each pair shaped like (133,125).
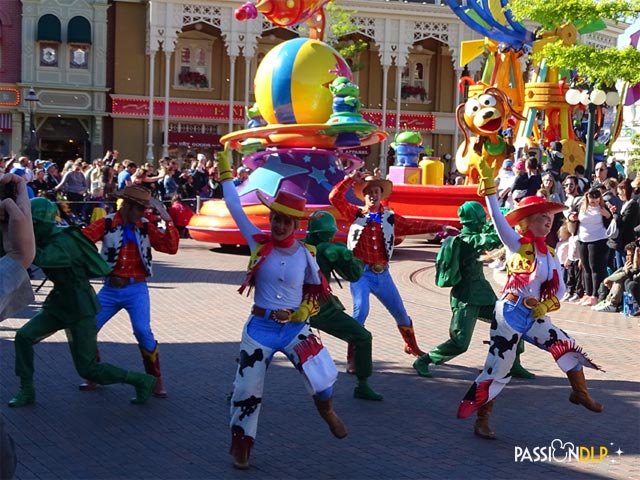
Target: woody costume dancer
(69,260)
(371,238)
(534,284)
(458,266)
(336,258)
(127,239)
(288,286)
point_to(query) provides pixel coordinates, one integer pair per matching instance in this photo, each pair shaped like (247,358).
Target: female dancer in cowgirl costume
(533,287)
(288,285)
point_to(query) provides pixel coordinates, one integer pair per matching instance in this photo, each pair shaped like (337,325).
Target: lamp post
(592,99)
(32,101)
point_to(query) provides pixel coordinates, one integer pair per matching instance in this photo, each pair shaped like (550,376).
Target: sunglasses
(600,169)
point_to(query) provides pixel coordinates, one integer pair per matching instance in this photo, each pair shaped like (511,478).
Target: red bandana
(539,242)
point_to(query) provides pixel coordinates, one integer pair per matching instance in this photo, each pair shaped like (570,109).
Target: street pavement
(197,316)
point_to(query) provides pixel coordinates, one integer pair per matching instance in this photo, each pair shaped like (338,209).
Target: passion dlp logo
(562,452)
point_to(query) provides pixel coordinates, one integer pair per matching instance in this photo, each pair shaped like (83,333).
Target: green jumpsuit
(69,260)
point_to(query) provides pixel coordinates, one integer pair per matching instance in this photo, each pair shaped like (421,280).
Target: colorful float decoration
(547,115)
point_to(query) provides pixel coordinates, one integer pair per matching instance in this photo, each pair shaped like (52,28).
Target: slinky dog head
(484,114)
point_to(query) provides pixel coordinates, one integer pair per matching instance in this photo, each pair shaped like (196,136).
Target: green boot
(518,371)
(364,392)
(144,385)
(422,365)
(25,396)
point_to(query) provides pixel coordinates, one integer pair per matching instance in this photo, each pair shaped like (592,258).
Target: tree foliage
(599,66)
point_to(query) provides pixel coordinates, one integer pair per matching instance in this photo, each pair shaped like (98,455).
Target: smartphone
(7,190)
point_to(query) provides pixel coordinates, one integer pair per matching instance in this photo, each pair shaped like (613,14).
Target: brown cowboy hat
(370,181)
(136,194)
(531,205)
(285,203)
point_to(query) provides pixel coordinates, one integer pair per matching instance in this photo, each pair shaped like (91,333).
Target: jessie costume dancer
(533,287)
(288,286)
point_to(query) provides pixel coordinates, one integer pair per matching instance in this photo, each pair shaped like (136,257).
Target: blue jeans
(134,299)
(382,286)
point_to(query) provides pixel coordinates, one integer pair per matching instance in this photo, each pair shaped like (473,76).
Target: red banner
(408,121)
(204,110)
(220,111)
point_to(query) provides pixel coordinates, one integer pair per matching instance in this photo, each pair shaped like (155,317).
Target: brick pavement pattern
(197,315)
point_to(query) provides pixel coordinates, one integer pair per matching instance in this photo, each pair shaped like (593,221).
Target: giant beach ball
(291,81)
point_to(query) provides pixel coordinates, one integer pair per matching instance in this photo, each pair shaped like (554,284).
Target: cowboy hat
(285,203)
(370,181)
(135,194)
(531,205)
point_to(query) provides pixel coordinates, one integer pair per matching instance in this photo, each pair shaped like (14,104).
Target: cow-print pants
(512,322)
(261,339)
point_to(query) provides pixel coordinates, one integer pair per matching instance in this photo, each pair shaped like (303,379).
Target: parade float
(308,111)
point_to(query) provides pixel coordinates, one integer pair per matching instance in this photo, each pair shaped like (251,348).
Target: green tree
(633,160)
(601,67)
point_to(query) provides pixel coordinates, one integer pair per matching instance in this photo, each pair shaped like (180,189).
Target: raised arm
(232,200)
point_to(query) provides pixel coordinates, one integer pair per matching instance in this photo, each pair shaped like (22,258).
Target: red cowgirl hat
(285,203)
(531,205)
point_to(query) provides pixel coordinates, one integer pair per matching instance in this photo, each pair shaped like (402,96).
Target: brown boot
(151,361)
(328,414)
(411,345)
(351,362)
(89,385)
(482,427)
(580,394)
(240,448)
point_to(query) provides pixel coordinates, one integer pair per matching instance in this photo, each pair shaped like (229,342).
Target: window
(49,38)
(79,40)
(193,61)
(415,77)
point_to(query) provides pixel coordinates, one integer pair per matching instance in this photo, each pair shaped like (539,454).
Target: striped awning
(5,122)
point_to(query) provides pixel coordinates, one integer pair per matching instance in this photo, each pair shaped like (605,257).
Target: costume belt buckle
(117,282)
(280,315)
(377,267)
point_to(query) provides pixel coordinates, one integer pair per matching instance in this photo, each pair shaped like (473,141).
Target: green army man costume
(332,319)
(472,297)
(69,260)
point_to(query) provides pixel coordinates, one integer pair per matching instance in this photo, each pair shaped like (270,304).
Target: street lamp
(32,101)
(592,98)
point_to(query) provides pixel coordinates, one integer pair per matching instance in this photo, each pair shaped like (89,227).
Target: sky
(623,40)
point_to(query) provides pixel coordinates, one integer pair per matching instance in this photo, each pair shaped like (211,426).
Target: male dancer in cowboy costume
(288,286)
(472,297)
(533,287)
(336,257)
(69,260)
(127,239)
(371,238)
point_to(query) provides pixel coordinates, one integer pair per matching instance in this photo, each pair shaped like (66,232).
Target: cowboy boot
(364,392)
(580,394)
(421,365)
(89,385)
(240,448)
(482,428)
(351,355)
(25,396)
(144,385)
(151,361)
(328,414)
(409,337)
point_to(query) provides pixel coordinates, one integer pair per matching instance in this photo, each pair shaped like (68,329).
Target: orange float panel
(438,203)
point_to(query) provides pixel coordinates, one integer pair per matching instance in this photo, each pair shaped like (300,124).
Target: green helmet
(43,210)
(322,221)
(472,213)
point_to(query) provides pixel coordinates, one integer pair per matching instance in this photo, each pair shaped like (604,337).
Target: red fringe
(516,281)
(562,347)
(550,287)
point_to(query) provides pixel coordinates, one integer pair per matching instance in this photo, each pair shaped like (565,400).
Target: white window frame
(198,44)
